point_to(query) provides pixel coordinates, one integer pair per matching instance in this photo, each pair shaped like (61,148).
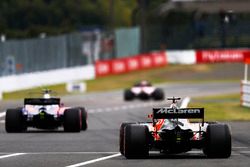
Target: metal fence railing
(22,56)
(81,48)
(30,55)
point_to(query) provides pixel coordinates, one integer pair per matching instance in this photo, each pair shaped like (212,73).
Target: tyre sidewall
(72,120)
(218,141)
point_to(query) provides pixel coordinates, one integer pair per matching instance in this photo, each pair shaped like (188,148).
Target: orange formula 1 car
(45,113)
(170,132)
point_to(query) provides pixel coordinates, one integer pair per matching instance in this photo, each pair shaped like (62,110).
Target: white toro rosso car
(45,113)
(170,132)
(143,90)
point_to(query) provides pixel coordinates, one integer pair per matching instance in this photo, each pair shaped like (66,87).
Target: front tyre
(72,120)
(15,121)
(218,141)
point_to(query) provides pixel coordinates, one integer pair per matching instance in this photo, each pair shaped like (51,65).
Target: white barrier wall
(36,79)
(181,57)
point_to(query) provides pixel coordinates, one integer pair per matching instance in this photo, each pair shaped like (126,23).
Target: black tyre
(128,95)
(212,122)
(158,94)
(136,141)
(218,141)
(15,121)
(72,120)
(121,138)
(84,118)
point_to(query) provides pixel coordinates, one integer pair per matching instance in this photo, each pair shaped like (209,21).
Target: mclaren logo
(178,111)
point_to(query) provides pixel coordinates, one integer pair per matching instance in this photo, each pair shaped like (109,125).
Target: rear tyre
(128,95)
(218,141)
(72,120)
(121,139)
(158,94)
(14,121)
(84,118)
(136,141)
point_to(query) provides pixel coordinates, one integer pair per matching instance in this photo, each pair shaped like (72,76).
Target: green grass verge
(170,73)
(60,88)
(222,108)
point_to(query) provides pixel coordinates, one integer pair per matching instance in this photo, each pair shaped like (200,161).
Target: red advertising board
(123,65)
(247,57)
(132,63)
(103,68)
(247,60)
(212,56)
(118,66)
(146,61)
(159,59)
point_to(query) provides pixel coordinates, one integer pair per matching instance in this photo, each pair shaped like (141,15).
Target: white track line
(62,153)
(184,104)
(2,114)
(11,155)
(125,107)
(94,160)
(245,152)
(239,147)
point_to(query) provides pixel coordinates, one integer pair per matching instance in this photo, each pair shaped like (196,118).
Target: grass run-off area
(168,74)
(222,108)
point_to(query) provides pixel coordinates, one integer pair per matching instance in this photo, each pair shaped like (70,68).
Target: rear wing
(42,101)
(170,113)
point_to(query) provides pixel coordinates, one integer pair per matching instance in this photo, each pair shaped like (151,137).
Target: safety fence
(122,65)
(69,50)
(95,44)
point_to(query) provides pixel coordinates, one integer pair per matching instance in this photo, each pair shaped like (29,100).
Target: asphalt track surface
(98,146)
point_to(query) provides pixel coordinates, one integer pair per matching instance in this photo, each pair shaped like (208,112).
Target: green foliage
(29,18)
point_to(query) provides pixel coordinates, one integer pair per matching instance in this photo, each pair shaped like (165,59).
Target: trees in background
(29,18)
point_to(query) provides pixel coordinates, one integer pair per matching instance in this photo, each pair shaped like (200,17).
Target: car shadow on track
(174,156)
(46,131)
(179,156)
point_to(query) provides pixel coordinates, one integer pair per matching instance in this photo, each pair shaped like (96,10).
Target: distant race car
(143,90)
(170,132)
(45,113)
